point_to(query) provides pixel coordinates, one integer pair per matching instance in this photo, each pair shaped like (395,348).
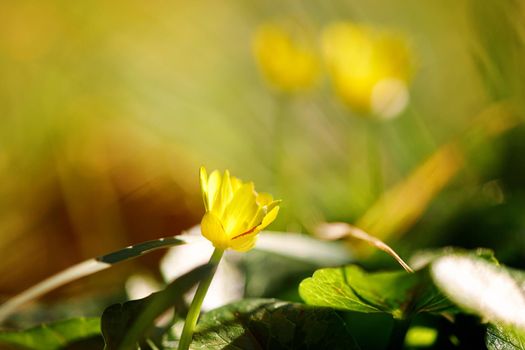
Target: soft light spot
(228,283)
(140,286)
(389,98)
(420,337)
(479,286)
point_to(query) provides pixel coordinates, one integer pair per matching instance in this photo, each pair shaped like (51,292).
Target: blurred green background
(107,110)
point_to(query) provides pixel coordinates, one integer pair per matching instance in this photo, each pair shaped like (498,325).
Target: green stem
(398,334)
(195,308)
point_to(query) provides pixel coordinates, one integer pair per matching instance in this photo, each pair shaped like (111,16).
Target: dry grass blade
(339,230)
(83,269)
(70,274)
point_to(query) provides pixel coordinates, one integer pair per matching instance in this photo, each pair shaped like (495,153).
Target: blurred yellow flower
(289,62)
(370,68)
(235,213)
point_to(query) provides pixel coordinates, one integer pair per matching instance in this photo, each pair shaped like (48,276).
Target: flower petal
(212,229)
(235,213)
(214,185)
(204,186)
(240,211)
(236,183)
(244,243)
(263,211)
(225,195)
(269,218)
(264,199)
(272,205)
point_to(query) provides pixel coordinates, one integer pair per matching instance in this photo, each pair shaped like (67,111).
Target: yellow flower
(370,68)
(289,62)
(235,213)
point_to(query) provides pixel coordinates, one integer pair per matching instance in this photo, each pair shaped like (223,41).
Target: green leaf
(52,336)
(351,288)
(495,293)
(271,324)
(124,325)
(504,338)
(140,249)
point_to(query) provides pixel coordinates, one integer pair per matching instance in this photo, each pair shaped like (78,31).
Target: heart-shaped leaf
(351,288)
(504,338)
(271,324)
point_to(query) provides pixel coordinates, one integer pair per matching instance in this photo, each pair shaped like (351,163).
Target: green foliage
(351,288)
(448,281)
(272,324)
(136,250)
(451,280)
(504,338)
(52,336)
(124,325)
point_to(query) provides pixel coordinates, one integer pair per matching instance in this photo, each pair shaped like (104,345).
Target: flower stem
(195,308)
